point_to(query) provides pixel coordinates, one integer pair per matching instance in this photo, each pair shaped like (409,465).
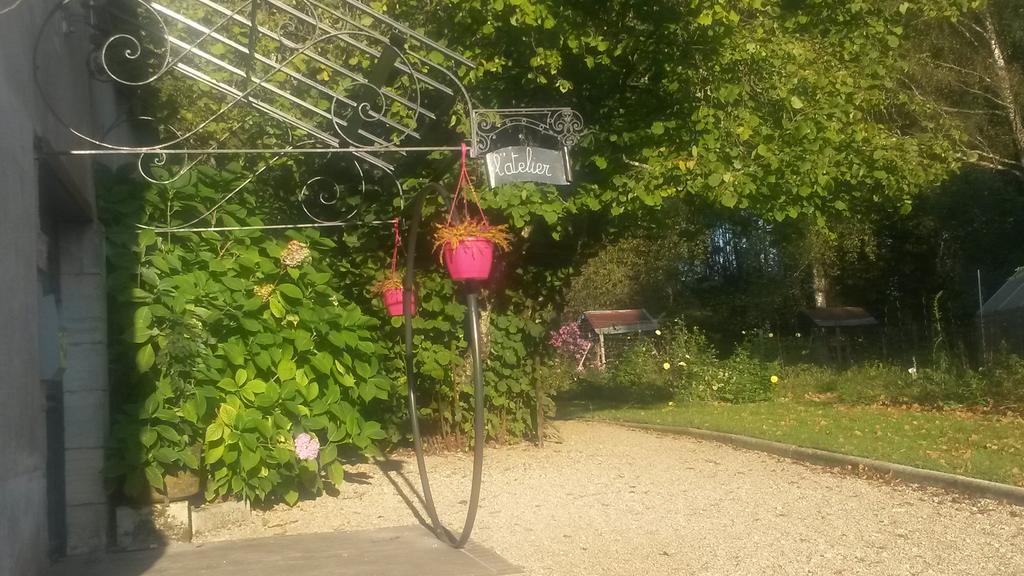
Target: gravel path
(614,501)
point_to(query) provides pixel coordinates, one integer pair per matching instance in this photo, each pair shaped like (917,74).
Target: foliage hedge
(229,345)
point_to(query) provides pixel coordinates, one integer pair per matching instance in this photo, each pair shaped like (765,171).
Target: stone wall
(62,338)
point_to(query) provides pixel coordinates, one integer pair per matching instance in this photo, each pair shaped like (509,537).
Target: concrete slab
(406,551)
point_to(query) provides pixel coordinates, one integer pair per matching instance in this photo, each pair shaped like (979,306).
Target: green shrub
(639,375)
(234,344)
(679,363)
(1005,378)
(745,379)
(999,386)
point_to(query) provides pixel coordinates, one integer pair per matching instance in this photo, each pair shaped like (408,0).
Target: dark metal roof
(620,321)
(1009,297)
(840,317)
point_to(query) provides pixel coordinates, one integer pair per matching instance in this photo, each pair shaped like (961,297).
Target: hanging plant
(391,288)
(467,243)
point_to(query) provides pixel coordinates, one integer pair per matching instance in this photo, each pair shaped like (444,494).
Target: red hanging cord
(398,242)
(465,181)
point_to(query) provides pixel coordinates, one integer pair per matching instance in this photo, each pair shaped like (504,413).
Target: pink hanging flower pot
(471,259)
(391,288)
(467,249)
(466,243)
(393,301)
(391,291)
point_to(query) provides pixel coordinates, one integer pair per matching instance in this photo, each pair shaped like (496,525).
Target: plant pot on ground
(467,248)
(183,485)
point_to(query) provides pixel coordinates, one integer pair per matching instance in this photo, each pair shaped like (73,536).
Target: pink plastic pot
(393,302)
(470,260)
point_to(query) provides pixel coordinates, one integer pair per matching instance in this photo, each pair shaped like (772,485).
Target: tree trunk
(820,285)
(1004,83)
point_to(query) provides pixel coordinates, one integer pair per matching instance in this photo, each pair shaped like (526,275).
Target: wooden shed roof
(620,321)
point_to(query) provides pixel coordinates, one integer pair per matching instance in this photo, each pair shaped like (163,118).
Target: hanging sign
(527,164)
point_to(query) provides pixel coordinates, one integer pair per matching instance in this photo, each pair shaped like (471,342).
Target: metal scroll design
(338,74)
(323,200)
(490,126)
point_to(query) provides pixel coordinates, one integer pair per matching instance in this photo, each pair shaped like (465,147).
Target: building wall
(79,325)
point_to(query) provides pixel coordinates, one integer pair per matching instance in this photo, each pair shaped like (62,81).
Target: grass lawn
(980,446)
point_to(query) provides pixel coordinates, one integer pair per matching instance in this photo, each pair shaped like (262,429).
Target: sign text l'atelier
(527,164)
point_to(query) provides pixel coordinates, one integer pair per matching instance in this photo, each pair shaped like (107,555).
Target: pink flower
(569,341)
(307,446)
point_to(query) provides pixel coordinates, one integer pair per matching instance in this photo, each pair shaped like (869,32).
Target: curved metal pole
(473,333)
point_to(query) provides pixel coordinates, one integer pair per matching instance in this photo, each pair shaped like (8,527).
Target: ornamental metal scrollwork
(490,126)
(309,66)
(340,77)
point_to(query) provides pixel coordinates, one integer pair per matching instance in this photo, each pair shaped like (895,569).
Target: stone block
(86,419)
(85,367)
(83,473)
(211,517)
(23,524)
(87,529)
(153,526)
(82,250)
(84,300)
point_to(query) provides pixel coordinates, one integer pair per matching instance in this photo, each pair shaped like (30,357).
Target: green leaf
(166,455)
(277,307)
(155,476)
(147,238)
(168,433)
(250,325)
(235,352)
(228,414)
(291,497)
(373,431)
(796,102)
(286,369)
(214,454)
(250,459)
(328,454)
(147,436)
(336,472)
(367,391)
(145,358)
(256,386)
(323,362)
(364,369)
(215,431)
(152,405)
(290,290)
(235,284)
(303,341)
(143,318)
(241,376)
(658,128)
(149,276)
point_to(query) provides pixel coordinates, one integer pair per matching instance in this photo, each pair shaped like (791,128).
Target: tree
(787,108)
(974,67)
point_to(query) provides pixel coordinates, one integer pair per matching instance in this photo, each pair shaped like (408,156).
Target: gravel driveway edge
(970,486)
